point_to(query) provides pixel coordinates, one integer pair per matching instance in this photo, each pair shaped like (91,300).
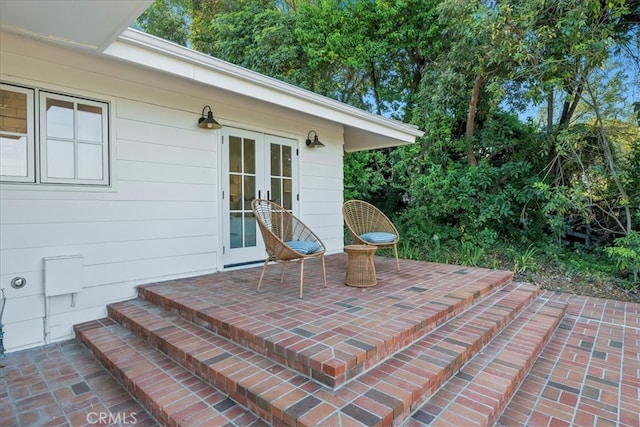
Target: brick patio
(433,345)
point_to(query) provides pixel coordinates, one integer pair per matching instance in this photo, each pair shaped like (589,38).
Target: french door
(255,165)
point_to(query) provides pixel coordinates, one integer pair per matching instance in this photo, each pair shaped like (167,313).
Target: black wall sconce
(208,122)
(315,143)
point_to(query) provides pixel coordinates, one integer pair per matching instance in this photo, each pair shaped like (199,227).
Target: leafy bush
(626,253)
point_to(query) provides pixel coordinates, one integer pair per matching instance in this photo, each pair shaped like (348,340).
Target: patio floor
(587,375)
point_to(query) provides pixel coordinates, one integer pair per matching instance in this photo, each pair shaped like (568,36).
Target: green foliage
(167,19)
(626,253)
(525,261)
(364,167)
(471,254)
(470,199)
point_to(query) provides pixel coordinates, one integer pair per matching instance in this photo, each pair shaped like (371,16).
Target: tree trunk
(473,106)
(603,138)
(550,112)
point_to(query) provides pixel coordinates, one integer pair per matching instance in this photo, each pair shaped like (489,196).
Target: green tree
(168,19)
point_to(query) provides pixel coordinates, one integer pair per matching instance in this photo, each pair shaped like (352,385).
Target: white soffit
(363,130)
(87,24)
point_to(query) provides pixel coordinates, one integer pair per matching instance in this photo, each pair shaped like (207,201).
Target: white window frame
(104,107)
(30,136)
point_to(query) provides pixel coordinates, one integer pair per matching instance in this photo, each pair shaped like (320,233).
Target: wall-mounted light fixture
(208,122)
(315,143)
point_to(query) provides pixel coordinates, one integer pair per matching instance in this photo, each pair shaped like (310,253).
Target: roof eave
(363,130)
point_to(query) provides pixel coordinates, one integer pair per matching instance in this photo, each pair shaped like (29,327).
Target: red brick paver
(588,374)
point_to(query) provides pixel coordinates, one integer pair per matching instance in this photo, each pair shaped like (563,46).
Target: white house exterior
(107,181)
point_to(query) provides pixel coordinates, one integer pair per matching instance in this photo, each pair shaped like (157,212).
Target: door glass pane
(90,161)
(235,192)
(235,229)
(89,123)
(276,194)
(13,155)
(249,156)
(249,191)
(59,119)
(275,159)
(242,191)
(287,194)
(235,156)
(249,229)
(286,160)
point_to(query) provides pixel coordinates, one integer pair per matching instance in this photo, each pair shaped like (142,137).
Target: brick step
(482,389)
(388,393)
(341,336)
(245,376)
(169,392)
(412,375)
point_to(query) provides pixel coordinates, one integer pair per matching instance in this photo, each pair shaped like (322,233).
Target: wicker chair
(286,239)
(369,226)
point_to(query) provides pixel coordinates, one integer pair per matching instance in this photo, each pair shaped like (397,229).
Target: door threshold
(239,265)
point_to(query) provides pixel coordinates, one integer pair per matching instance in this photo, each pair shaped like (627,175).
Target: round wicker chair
(286,239)
(365,222)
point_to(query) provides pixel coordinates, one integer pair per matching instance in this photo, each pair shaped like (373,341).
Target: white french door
(254,165)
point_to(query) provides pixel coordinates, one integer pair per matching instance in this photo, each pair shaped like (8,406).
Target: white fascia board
(150,51)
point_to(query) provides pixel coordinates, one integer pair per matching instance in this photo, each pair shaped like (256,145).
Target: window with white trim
(72,135)
(17,141)
(73,140)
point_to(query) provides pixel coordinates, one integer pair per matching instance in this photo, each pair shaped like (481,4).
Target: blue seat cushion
(304,247)
(378,237)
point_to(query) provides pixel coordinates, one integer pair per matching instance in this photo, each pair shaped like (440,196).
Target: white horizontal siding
(23,334)
(19,236)
(52,210)
(127,191)
(142,171)
(321,191)
(165,155)
(30,259)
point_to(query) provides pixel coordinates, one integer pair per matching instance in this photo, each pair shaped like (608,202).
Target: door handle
(269,195)
(259,194)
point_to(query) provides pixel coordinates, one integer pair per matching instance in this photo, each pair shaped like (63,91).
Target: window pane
(59,119)
(286,160)
(235,230)
(89,161)
(235,192)
(60,159)
(249,191)
(13,114)
(275,160)
(287,197)
(249,156)
(249,230)
(275,191)
(13,155)
(89,123)
(235,156)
